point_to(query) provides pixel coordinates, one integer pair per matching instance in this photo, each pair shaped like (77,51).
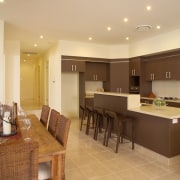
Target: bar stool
(117,124)
(98,118)
(90,117)
(83,109)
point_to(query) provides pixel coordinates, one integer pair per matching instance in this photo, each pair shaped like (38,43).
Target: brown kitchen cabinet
(73,66)
(119,77)
(163,68)
(134,66)
(152,70)
(96,71)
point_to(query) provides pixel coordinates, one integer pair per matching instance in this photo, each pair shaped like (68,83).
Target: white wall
(54,58)
(163,42)
(2,63)
(12,72)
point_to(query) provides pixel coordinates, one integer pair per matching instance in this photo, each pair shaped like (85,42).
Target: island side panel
(109,102)
(157,134)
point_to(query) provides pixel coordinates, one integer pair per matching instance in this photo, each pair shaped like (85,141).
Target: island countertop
(133,104)
(165,112)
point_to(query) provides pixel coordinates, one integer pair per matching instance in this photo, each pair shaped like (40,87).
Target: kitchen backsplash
(166,88)
(93,85)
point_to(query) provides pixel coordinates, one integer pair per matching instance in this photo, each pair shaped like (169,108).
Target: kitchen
(168,89)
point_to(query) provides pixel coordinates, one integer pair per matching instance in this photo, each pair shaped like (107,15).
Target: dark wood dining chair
(45,115)
(53,120)
(19,161)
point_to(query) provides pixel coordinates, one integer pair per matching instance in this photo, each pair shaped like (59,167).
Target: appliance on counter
(134,85)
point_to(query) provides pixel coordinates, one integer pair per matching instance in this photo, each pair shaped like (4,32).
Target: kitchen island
(155,129)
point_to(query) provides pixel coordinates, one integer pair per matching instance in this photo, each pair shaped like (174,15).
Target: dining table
(50,150)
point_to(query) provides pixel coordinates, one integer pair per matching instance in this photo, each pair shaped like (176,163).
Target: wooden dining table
(50,150)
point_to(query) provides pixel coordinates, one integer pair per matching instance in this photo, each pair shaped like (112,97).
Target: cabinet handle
(169,75)
(74,67)
(71,67)
(166,75)
(96,77)
(134,72)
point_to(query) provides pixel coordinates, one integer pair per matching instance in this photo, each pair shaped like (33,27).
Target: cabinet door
(134,67)
(96,71)
(119,77)
(153,70)
(73,66)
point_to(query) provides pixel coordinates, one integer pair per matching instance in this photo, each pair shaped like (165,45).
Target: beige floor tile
(107,177)
(132,174)
(75,174)
(171,176)
(95,170)
(152,170)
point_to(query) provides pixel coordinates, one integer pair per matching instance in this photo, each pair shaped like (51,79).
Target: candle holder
(8,126)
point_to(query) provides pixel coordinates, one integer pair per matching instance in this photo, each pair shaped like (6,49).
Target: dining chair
(44,115)
(61,135)
(19,161)
(62,130)
(53,120)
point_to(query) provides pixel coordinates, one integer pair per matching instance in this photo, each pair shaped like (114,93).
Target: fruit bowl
(159,103)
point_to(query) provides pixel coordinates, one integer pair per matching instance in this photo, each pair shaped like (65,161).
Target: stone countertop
(165,112)
(117,94)
(175,101)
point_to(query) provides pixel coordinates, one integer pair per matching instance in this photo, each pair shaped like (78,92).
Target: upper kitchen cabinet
(135,66)
(73,66)
(152,72)
(163,68)
(96,71)
(119,76)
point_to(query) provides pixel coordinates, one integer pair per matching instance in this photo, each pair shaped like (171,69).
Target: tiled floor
(87,159)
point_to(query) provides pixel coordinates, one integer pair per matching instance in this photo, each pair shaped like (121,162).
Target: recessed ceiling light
(25,60)
(41,36)
(158,27)
(28,54)
(148,8)
(35,45)
(1,1)
(109,28)
(90,38)
(127,38)
(125,19)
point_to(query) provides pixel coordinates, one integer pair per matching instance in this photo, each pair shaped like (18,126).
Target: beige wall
(12,72)
(2,63)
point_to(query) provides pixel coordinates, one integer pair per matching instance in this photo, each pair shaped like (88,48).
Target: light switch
(174,121)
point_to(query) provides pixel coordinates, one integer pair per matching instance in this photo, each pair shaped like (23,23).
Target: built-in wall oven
(134,85)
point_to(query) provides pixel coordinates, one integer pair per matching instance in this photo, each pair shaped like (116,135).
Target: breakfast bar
(157,129)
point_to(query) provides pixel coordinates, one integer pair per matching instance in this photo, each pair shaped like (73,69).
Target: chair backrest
(53,120)
(44,115)
(62,130)
(19,161)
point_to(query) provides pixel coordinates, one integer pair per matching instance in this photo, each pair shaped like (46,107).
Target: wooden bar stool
(90,118)
(98,118)
(117,124)
(83,116)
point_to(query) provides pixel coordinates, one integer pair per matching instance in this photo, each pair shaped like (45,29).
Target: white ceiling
(76,20)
